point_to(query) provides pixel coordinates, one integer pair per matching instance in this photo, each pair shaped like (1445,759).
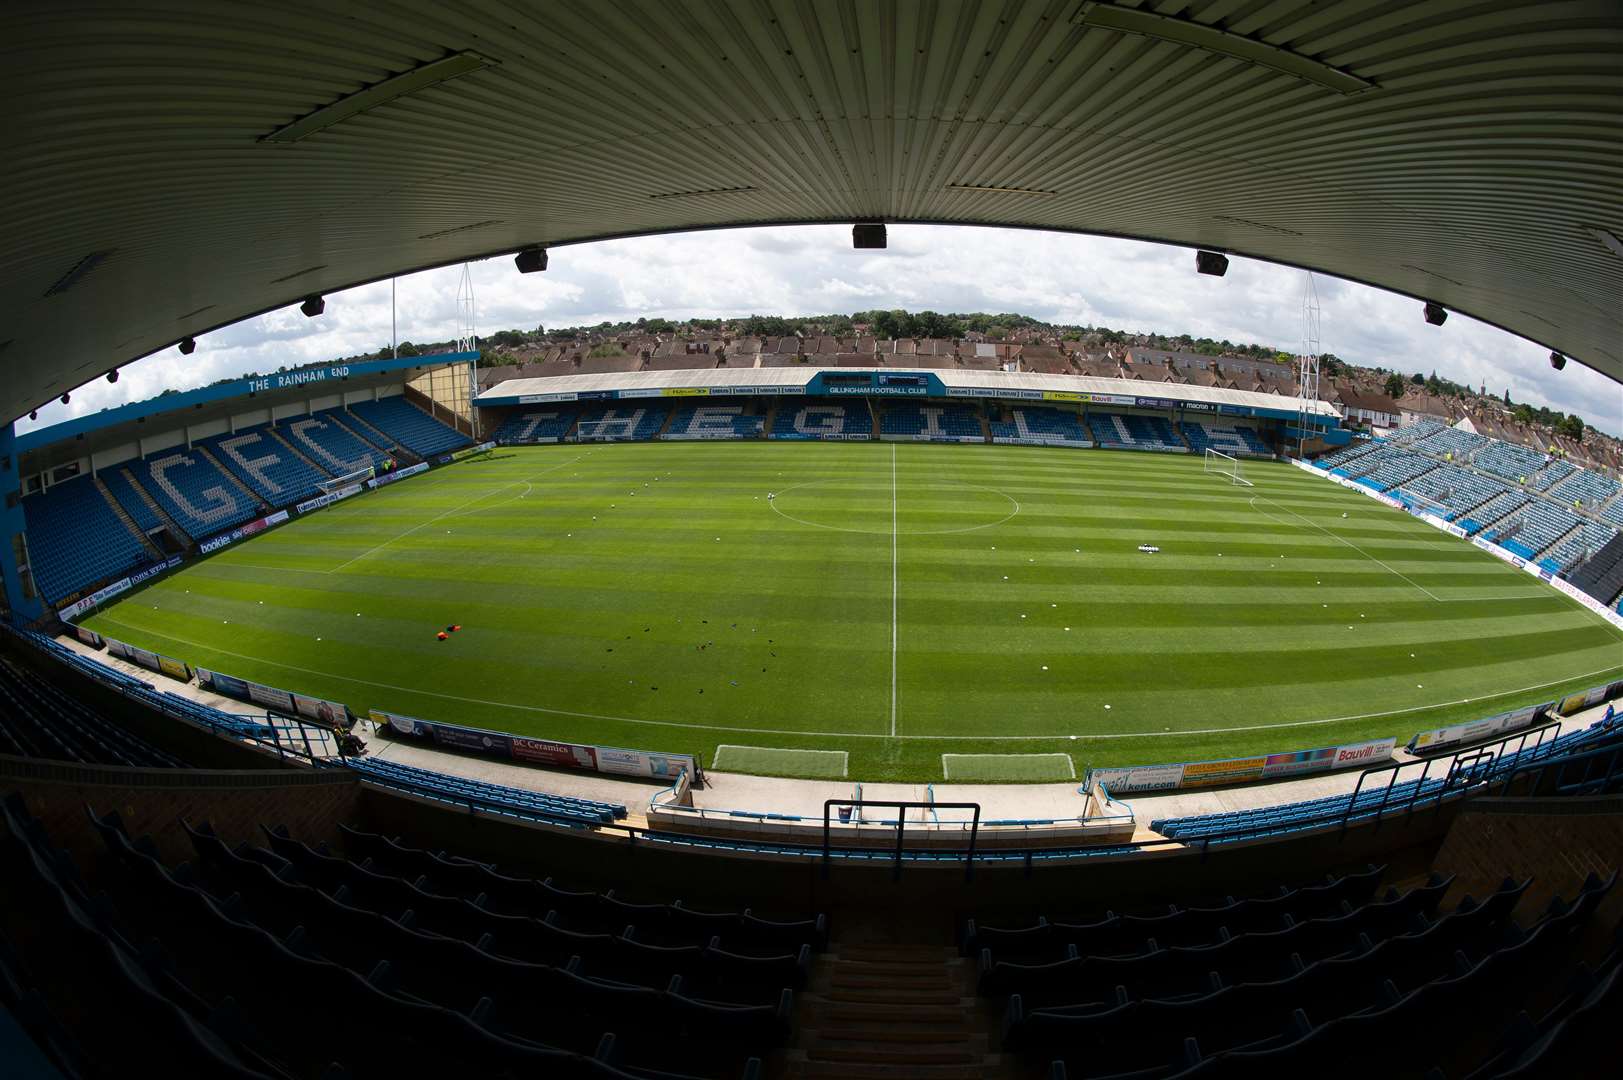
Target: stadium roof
(175,167)
(722,381)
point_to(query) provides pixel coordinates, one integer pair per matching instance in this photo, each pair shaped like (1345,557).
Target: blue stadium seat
(128,494)
(541,424)
(323,438)
(193,492)
(75,540)
(821,418)
(944,422)
(1122,431)
(409,426)
(1041,424)
(270,470)
(708,420)
(626,421)
(1235,440)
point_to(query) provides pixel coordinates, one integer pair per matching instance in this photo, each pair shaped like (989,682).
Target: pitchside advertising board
(273,698)
(74,610)
(400,474)
(241,532)
(1194,774)
(602,759)
(152,661)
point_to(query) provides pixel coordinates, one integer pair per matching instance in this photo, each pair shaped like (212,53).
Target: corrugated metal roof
(718,380)
(1482,168)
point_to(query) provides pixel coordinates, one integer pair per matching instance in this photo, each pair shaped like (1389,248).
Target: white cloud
(805,270)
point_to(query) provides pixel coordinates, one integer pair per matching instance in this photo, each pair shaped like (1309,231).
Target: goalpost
(1226,465)
(339,483)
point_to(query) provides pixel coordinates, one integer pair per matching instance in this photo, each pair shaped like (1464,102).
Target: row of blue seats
(698,420)
(617,422)
(493,796)
(76,540)
(523,895)
(38,720)
(409,426)
(1331,1019)
(330,443)
(546,423)
(1111,932)
(1250,956)
(1043,423)
(1127,431)
(1233,440)
(945,421)
(270,470)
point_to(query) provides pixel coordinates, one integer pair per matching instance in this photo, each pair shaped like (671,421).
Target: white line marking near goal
(853,734)
(845,758)
(448,513)
(1339,539)
(893,560)
(946,770)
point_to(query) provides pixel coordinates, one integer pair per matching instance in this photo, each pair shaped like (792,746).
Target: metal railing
(1598,772)
(902,806)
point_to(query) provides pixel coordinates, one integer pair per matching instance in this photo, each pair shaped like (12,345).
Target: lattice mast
(1307,376)
(467,340)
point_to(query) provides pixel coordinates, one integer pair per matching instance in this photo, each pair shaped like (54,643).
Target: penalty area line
(851,734)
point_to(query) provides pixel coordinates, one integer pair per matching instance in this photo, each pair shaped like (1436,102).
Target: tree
(1434,385)
(1418,379)
(1394,386)
(1523,414)
(1507,397)
(1571,426)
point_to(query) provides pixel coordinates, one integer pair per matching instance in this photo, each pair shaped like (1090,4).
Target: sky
(810,270)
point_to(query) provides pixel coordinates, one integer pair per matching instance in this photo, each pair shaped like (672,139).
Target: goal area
(339,483)
(1226,465)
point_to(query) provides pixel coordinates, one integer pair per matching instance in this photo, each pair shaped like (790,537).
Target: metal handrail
(902,806)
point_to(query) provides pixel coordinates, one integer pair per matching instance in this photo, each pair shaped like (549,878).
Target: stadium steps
(180,534)
(235,480)
(287,444)
(874,1012)
(1563,538)
(986,425)
(124,516)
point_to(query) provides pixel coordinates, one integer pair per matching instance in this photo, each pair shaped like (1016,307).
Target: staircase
(892,1011)
(181,535)
(321,470)
(124,516)
(235,480)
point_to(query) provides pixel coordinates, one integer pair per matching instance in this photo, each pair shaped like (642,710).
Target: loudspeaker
(867,236)
(530,260)
(1435,314)
(1211,262)
(313,306)
(1557,361)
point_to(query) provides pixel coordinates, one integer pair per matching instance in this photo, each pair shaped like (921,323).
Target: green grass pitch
(894,601)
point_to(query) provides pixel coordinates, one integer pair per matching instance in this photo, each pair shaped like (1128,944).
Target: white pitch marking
(893,579)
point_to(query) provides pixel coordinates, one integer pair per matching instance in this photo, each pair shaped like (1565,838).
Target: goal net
(339,483)
(1226,465)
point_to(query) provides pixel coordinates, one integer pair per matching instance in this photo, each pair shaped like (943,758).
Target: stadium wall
(22,602)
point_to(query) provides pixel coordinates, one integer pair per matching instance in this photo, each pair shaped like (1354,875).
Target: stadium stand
(1589,538)
(324,439)
(1274,1002)
(1448,440)
(1508,460)
(1591,487)
(1392,468)
(1551,475)
(510,801)
(546,424)
(193,491)
(409,426)
(75,540)
(269,469)
(129,496)
(1234,440)
(1341,460)
(616,422)
(1492,512)
(1457,490)
(1041,423)
(1535,527)
(38,720)
(708,420)
(947,423)
(821,418)
(1119,431)
(1413,433)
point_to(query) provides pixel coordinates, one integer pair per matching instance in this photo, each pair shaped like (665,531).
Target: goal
(1225,465)
(339,483)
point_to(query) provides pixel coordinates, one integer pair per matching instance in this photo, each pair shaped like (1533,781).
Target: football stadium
(711,704)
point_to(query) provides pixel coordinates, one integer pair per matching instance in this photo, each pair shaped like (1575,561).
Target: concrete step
(851,1070)
(890,996)
(902,984)
(935,967)
(869,1033)
(910,1015)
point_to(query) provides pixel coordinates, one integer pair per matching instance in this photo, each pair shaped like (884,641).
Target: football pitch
(908,611)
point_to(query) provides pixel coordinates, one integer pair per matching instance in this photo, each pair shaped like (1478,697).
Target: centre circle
(917,508)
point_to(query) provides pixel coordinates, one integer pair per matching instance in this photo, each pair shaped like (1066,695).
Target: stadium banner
(167,665)
(328,712)
(74,610)
(175,669)
(468,451)
(540,399)
(700,436)
(683,391)
(154,570)
(822,436)
(328,499)
(399,474)
(927,438)
(1429,742)
(1038,440)
(270,697)
(1611,615)
(603,759)
(228,685)
(241,532)
(89,637)
(1196,774)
